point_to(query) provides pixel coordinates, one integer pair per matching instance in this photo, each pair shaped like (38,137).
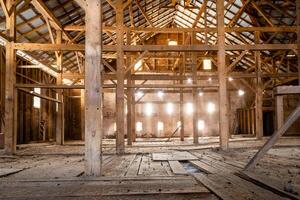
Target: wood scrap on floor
(176,155)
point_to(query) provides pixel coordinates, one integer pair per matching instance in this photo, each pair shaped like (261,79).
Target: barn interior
(144,99)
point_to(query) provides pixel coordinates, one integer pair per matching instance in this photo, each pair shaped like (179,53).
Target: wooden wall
(30,118)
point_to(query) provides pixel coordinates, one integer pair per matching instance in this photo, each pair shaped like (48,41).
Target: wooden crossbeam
(236,61)
(158,48)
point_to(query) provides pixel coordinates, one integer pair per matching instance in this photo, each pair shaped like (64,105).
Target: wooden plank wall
(29,118)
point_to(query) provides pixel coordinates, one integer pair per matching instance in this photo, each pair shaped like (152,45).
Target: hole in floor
(190,168)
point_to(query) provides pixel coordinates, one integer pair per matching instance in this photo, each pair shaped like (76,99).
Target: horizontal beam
(156,48)
(182,30)
(201,76)
(113,86)
(39,95)
(284,90)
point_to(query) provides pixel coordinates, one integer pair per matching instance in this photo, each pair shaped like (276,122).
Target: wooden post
(10,80)
(279,111)
(181,93)
(82,112)
(195,95)
(93,88)
(60,110)
(259,92)
(223,100)
(133,121)
(120,145)
(129,93)
(298,36)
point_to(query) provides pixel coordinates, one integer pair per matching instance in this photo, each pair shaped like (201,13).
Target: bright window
(201,125)
(37,100)
(160,126)
(139,126)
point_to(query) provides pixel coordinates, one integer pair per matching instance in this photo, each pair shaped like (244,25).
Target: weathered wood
(195,94)
(284,90)
(259,93)
(185,30)
(158,48)
(120,143)
(178,155)
(279,111)
(273,139)
(223,98)
(130,95)
(93,87)
(298,35)
(60,128)
(10,79)
(177,168)
(82,114)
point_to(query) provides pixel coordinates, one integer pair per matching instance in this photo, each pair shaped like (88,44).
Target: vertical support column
(195,96)
(181,99)
(93,88)
(120,145)
(129,93)
(60,129)
(82,112)
(10,137)
(298,36)
(133,121)
(279,111)
(223,100)
(259,93)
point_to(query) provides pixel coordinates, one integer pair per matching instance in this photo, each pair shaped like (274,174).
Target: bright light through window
(170,108)
(160,126)
(211,107)
(160,94)
(172,42)
(207,64)
(115,127)
(56,108)
(37,100)
(148,109)
(189,80)
(241,92)
(178,124)
(139,94)
(230,79)
(137,66)
(189,108)
(201,125)
(139,126)
(209,79)
(200,94)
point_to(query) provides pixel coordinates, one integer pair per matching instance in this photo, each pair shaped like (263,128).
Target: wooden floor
(178,170)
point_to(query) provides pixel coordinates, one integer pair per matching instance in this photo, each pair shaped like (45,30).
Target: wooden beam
(60,111)
(223,98)
(30,92)
(273,139)
(279,111)
(194,93)
(93,88)
(285,29)
(130,94)
(236,61)
(158,48)
(10,135)
(259,92)
(298,36)
(120,144)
